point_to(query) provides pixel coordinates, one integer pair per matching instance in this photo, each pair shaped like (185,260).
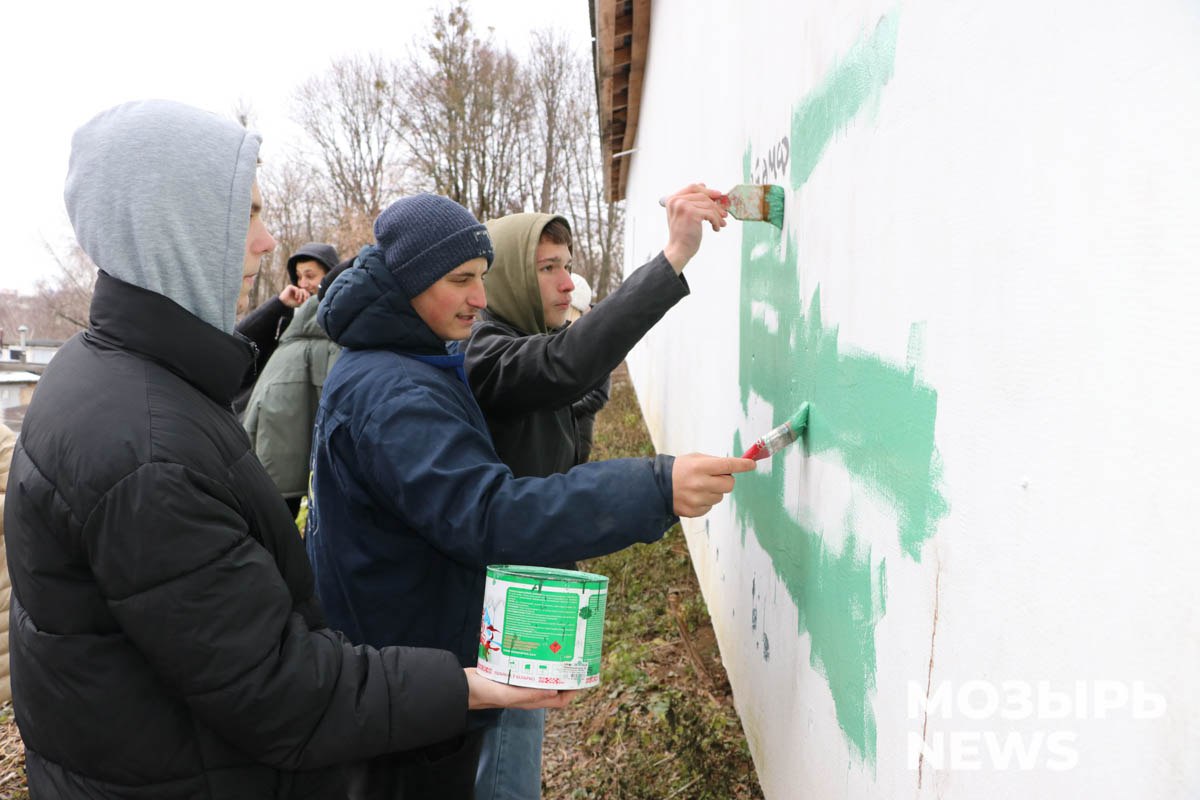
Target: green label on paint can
(542,627)
(591,643)
(537,623)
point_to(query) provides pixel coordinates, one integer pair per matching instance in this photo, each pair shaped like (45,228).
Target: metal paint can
(542,627)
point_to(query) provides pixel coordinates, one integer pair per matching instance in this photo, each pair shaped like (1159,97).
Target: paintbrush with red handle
(779,437)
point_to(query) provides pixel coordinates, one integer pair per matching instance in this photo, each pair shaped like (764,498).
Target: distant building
(16,390)
(13,352)
(34,353)
(40,351)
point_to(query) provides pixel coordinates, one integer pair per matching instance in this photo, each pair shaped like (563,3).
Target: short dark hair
(557,231)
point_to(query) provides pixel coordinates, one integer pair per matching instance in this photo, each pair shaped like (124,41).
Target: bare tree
(463,112)
(349,116)
(552,75)
(461,117)
(243,112)
(60,304)
(16,310)
(597,223)
(296,211)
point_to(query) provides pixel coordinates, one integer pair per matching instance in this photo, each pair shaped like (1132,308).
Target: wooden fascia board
(622,41)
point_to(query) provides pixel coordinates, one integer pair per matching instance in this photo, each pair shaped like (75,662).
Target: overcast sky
(64,61)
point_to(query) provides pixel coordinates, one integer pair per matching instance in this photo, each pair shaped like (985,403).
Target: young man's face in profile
(259,242)
(553,264)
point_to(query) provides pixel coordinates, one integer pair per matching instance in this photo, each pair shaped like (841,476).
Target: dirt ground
(12,757)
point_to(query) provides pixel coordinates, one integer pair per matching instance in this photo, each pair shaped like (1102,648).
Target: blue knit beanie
(425,236)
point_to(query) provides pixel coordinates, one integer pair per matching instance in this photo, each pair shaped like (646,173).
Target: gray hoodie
(159,196)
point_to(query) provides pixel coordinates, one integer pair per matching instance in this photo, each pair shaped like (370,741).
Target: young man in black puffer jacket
(166,641)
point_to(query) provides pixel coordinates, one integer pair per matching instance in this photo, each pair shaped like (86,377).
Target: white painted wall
(1014,214)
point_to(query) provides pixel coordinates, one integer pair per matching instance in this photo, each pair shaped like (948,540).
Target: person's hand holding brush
(687,210)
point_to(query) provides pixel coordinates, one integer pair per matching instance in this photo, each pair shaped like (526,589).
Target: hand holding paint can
(542,627)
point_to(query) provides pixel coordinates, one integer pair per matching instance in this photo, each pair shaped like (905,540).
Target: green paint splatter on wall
(871,416)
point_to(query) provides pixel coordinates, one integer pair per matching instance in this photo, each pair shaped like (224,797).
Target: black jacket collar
(136,319)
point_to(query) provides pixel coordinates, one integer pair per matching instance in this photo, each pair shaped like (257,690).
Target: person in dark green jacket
(265,325)
(307,270)
(283,406)
(531,373)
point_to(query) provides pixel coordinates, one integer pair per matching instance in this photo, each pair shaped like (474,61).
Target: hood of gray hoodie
(159,196)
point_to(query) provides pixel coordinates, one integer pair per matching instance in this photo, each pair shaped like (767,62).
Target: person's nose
(266,242)
(478,297)
(567,284)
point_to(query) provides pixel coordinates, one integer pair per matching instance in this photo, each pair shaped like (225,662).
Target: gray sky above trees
(66,61)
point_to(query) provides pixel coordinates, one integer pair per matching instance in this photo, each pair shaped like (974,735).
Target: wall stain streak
(937,596)
(872,417)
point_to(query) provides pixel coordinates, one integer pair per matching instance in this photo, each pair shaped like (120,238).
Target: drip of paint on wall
(872,416)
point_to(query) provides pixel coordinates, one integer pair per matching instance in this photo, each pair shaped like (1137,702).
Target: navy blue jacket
(410,502)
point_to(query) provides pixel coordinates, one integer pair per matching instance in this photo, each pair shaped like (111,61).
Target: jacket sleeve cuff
(663,465)
(430,704)
(660,263)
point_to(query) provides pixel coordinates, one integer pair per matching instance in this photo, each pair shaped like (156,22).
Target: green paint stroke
(853,83)
(876,416)
(839,597)
(873,416)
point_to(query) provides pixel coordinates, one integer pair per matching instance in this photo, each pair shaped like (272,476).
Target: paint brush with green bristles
(752,202)
(780,436)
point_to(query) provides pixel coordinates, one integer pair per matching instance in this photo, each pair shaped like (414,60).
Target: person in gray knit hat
(409,502)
